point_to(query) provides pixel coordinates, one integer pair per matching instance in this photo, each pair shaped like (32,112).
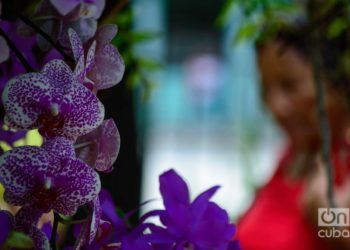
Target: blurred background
(189,100)
(196,106)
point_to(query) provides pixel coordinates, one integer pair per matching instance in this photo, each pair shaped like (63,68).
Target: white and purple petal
(109,67)
(78,184)
(24,97)
(76,44)
(86,113)
(17,169)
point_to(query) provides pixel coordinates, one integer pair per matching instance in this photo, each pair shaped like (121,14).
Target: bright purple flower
(6,225)
(104,66)
(53,102)
(200,224)
(113,232)
(99,148)
(48,177)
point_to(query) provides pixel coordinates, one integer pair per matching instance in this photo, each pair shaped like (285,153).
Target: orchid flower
(53,102)
(48,177)
(99,148)
(200,224)
(6,225)
(104,66)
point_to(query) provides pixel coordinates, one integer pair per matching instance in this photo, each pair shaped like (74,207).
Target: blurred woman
(282,215)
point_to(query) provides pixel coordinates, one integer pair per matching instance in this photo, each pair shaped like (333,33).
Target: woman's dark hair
(299,34)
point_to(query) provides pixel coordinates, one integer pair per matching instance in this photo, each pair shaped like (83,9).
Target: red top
(275,221)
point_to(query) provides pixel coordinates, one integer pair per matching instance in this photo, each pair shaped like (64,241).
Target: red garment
(275,220)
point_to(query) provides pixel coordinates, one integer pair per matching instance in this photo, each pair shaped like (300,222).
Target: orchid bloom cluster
(59,99)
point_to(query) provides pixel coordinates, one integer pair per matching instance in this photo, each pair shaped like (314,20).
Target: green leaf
(248,31)
(142,36)
(337,27)
(146,63)
(19,240)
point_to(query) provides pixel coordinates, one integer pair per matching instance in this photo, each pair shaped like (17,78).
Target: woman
(279,218)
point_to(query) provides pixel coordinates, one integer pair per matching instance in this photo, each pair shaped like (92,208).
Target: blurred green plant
(139,68)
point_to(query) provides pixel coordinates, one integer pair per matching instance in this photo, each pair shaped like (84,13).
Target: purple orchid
(99,148)
(109,66)
(6,225)
(104,66)
(53,102)
(56,17)
(200,224)
(48,177)
(113,231)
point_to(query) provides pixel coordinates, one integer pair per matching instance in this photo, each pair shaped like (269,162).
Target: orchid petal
(90,57)
(22,98)
(65,6)
(109,67)
(76,44)
(4,50)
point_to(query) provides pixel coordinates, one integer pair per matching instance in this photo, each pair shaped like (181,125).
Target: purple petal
(90,57)
(109,67)
(78,185)
(65,6)
(199,205)
(86,113)
(106,33)
(85,28)
(22,97)
(59,147)
(173,188)
(102,146)
(58,73)
(6,225)
(17,168)
(76,44)
(79,71)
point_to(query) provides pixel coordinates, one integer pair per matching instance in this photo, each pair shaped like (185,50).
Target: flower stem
(54,231)
(46,37)
(18,53)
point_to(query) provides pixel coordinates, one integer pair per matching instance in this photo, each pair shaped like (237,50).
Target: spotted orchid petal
(59,74)
(32,177)
(53,102)
(109,67)
(78,185)
(90,57)
(86,112)
(76,44)
(100,147)
(24,97)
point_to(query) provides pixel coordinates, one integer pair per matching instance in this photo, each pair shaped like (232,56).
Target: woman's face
(288,91)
